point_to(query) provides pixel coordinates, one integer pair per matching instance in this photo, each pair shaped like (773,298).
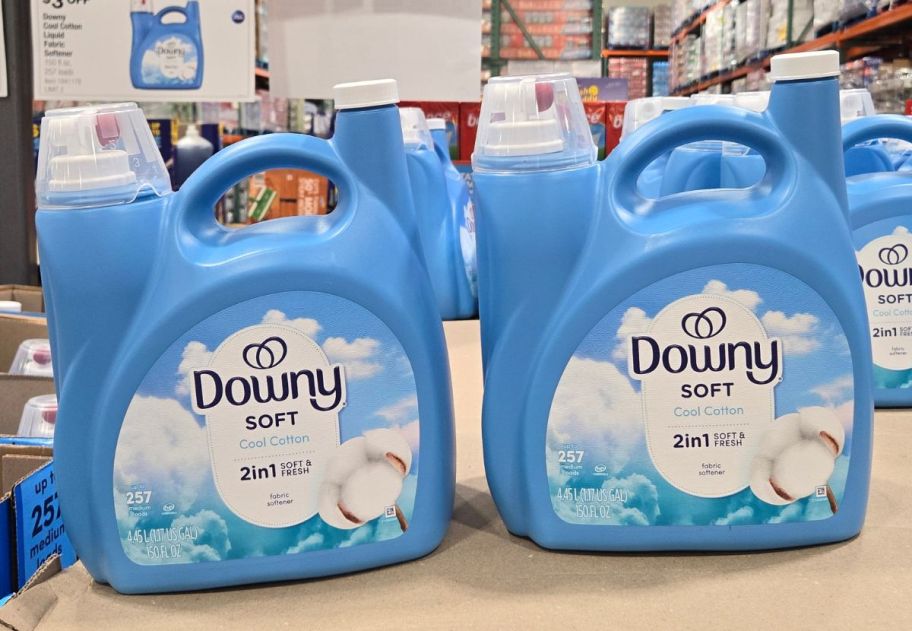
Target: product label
(467,243)
(283,424)
(718,396)
(886,276)
(171,60)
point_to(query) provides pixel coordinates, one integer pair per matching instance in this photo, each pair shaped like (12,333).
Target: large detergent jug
(880,217)
(637,113)
(871,156)
(742,166)
(686,373)
(434,212)
(248,405)
(462,213)
(166,54)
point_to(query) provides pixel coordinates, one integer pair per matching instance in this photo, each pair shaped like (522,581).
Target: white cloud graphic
(307,326)
(835,392)
(168,456)
(356,356)
(212,542)
(746,297)
(634,322)
(743,515)
(595,405)
(900,230)
(797,332)
(195,355)
(400,410)
(311,542)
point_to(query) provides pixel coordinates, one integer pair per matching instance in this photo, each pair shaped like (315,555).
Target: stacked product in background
(756,20)
(854,9)
(892,87)
(860,73)
(562,30)
(39,417)
(826,15)
(635,70)
(801,22)
(686,56)
(713,30)
(628,27)
(660,78)
(730,37)
(662,26)
(262,34)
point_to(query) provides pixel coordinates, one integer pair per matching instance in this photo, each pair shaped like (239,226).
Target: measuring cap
(39,417)
(640,111)
(96,156)
(802,66)
(532,123)
(415,130)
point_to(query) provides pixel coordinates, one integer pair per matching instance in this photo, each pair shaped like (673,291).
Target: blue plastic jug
(694,366)
(246,405)
(166,55)
(742,166)
(434,213)
(880,219)
(462,213)
(637,113)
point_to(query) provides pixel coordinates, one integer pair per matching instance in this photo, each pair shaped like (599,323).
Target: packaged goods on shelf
(860,73)
(635,70)
(628,27)
(551,6)
(755,16)
(729,41)
(892,86)
(546,42)
(826,14)
(756,81)
(662,26)
(801,19)
(580,24)
(660,78)
(686,61)
(853,9)
(680,12)
(712,38)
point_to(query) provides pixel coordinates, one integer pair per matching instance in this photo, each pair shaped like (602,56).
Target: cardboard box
(31,297)
(32,533)
(447,110)
(614,123)
(468,128)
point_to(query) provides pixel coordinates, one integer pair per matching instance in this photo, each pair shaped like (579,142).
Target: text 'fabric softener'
(683,373)
(239,406)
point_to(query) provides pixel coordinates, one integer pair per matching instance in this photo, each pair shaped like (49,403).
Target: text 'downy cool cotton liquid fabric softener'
(248,405)
(686,373)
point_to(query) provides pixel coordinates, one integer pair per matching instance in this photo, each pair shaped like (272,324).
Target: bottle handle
(682,127)
(197,197)
(174,9)
(875,127)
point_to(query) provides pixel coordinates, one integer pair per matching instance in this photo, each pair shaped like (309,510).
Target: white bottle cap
(349,96)
(532,123)
(415,130)
(799,66)
(753,101)
(638,112)
(13,306)
(97,155)
(854,104)
(436,123)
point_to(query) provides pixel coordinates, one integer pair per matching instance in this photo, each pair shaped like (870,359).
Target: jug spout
(368,137)
(804,104)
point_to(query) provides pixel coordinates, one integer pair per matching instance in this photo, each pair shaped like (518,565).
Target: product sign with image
(719,396)
(149,50)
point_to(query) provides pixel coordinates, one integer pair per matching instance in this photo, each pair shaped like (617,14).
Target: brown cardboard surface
(483,578)
(15,390)
(31,297)
(13,330)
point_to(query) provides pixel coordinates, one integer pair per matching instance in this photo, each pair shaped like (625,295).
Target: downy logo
(760,360)
(262,376)
(892,275)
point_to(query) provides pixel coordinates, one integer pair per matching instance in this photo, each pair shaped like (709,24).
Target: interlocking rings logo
(704,325)
(893,255)
(267,354)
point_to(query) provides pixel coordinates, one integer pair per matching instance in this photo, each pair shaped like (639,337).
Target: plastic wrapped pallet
(729,37)
(802,21)
(826,13)
(756,19)
(629,27)
(661,26)
(713,31)
(660,78)
(852,9)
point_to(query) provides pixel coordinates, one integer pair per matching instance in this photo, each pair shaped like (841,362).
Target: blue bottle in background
(166,54)
(462,230)
(247,405)
(683,373)
(881,220)
(637,113)
(873,155)
(742,166)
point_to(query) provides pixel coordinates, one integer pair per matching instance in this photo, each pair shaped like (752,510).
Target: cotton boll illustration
(363,477)
(797,455)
